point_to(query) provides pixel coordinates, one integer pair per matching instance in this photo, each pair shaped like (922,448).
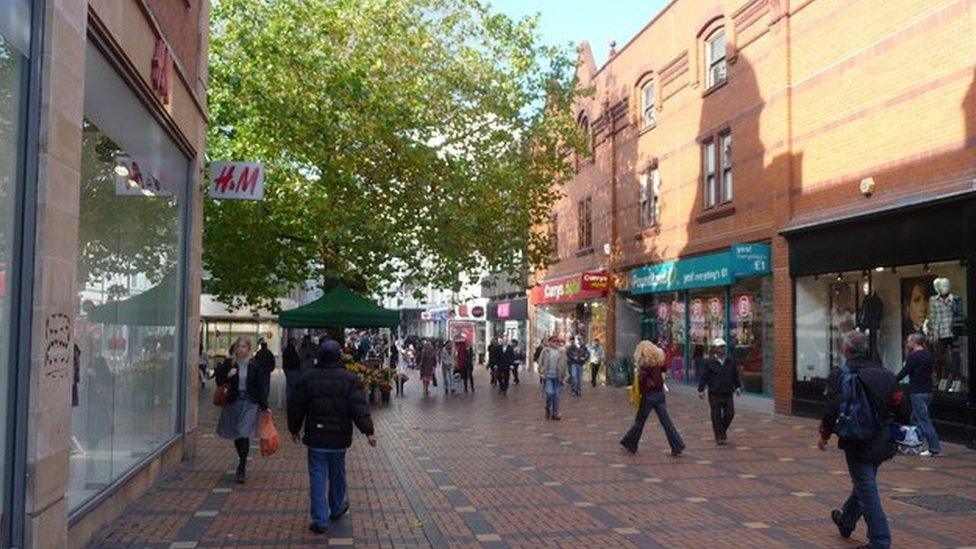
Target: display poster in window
(843,309)
(716,318)
(663,317)
(678,321)
(463,330)
(698,321)
(915,294)
(744,331)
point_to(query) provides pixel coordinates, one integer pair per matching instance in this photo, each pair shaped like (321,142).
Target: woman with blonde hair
(248,388)
(649,359)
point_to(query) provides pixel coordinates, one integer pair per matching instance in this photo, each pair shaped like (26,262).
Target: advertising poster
(915,294)
(716,318)
(697,321)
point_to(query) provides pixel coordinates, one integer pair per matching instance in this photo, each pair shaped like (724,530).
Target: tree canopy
(404,141)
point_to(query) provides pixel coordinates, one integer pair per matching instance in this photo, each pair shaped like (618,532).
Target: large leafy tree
(404,140)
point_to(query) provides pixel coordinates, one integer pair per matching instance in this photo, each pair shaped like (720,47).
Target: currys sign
(579,287)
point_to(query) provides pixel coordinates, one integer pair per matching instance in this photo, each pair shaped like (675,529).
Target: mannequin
(869,316)
(945,323)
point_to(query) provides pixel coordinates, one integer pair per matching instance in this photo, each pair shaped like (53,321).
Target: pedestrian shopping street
(486,470)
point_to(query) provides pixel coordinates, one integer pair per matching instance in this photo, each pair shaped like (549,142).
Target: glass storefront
(688,304)
(218,335)
(587,319)
(126,353)
(15,25)
(888,303)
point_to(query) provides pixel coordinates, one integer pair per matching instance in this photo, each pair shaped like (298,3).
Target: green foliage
(404,140)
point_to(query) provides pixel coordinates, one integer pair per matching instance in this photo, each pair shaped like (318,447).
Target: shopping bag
(270,440)
(221,396)
(635,395)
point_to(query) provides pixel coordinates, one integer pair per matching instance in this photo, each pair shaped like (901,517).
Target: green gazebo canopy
(340,307)
(153,307)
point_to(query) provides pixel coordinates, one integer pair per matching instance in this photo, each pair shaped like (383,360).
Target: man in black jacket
(291,363)
(863,456)
(503,369)
(721,376)
(327,401)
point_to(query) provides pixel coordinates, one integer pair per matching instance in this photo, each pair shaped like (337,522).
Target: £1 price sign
(236,180)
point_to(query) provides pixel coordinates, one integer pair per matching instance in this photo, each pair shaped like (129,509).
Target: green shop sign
(741,261)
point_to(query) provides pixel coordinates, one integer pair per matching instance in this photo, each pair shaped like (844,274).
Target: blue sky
(599,22)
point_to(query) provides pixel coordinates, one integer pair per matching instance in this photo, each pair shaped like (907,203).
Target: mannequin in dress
(944,325)
(869,317)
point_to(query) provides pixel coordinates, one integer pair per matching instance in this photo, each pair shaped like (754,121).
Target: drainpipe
(611,343)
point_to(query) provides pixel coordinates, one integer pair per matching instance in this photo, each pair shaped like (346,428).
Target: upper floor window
(717,169)
(715,66)
(648,118)
(650,198)
(584,229)
(554,234)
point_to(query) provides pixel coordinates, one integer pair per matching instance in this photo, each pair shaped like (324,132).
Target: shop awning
(571,289)
(742,260)
(156,306)
(340,307)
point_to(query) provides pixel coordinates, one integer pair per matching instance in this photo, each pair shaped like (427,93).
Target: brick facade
(819,95)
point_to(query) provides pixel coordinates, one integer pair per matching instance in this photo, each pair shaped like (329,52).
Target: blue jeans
(576,378)
(920,409)
(291,380)
(326,466)
(865,501)
(552,387)
(655,401)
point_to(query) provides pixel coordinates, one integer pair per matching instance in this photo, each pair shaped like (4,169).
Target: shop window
(584,229)
(650,198)
(649,116)
(124,389)
(715,65)
(751,332)
(667,330)
(888,304)
(717,169)
(14,50)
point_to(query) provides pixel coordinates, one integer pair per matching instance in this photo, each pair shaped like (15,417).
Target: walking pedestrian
(248,388)
(448,361)
(264,358)
(518,358)
(327,401)
(202,364)
(307,353)
(596,360)
(862,383)
(291,363)
(465,363)
(552,373)
(577,355)
(721,376)
(402,367)
(649,359)
(918,369)
(504,368)
(494,358)
(426,363)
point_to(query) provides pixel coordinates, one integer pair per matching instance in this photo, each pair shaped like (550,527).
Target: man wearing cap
(327,401)
(721,376)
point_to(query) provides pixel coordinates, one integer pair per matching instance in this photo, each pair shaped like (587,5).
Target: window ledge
(584,251)
(646,128)
(715,87)
(716,212)
(649,231)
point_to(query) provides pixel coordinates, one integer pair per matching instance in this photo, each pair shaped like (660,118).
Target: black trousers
(723,410)
(503,375)
(467,375)
(594,372)
(515,368)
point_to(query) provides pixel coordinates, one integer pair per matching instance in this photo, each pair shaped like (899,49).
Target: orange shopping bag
(270,441)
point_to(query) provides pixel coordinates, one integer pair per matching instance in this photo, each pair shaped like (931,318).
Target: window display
(132,177)
(751,333)
(888,303)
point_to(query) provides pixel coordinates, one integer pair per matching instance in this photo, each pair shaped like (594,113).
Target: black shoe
(316,529)
(676,453)
(548,415)
(844,531)
(628,448)
(556,418)
(339,515)
(241,472)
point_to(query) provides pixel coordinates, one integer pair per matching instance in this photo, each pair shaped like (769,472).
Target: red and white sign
(237,180)
(162,68)
(579,287)
(135,178)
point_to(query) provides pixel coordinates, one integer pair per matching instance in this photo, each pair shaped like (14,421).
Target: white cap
(718,342)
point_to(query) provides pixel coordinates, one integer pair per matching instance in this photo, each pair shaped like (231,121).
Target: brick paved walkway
(486,470)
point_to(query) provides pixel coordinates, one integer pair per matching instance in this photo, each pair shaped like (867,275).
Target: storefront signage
(719,269)
(574,288)
(515,309)
(162,67)
(237,181)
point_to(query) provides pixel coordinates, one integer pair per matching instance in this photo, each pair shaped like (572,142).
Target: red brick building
(777,173)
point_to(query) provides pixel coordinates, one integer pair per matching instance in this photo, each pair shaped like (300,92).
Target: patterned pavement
(485,470)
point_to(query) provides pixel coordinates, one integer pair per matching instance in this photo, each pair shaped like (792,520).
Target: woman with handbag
(650,361)
(245,389)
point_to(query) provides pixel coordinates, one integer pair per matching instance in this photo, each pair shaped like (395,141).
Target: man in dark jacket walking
(721,377)
(264,358)
(503,369)
(863,456)
(291,363)
(327,401)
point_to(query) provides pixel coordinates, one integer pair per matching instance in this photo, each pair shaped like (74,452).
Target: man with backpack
(862,398)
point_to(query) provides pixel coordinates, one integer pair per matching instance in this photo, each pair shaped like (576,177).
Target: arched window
(584,125)
(648,104)
(715,65)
